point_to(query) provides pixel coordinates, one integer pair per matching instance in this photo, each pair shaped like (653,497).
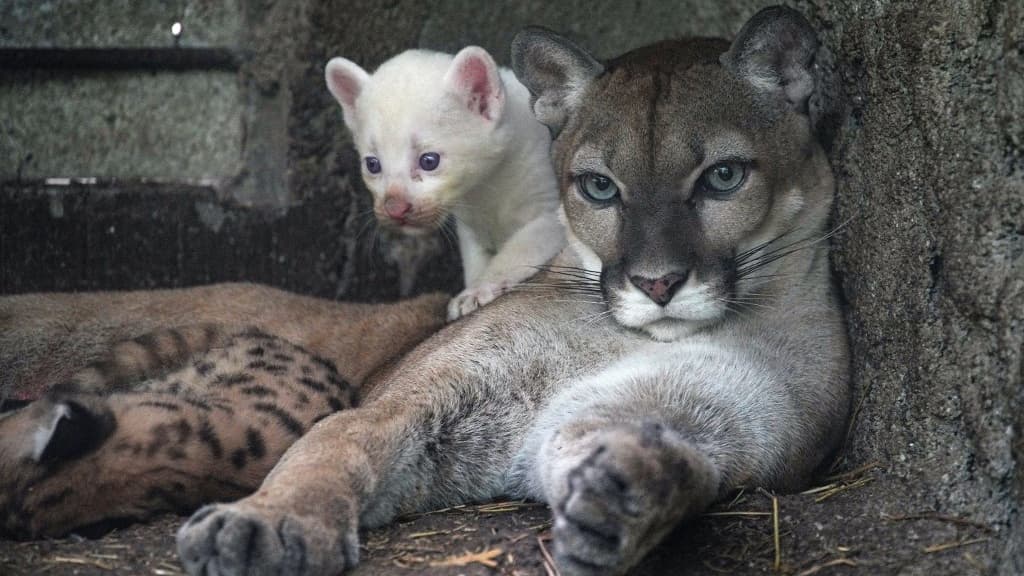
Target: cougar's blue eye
(597,188)
(429,161)
(724,177)
(372,165)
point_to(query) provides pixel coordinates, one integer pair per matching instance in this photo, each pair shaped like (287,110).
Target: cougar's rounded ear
(777,51)
(555,70)
(345,80)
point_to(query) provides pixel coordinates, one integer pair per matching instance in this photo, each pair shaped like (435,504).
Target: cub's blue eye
(724,177)
(372,165)
(429,161)
(597,188)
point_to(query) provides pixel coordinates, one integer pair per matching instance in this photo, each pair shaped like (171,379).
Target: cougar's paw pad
(474,297)
(589,524)
(612,501)
(232,540)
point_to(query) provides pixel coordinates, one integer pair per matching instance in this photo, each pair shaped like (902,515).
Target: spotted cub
(149,401)
(209,431)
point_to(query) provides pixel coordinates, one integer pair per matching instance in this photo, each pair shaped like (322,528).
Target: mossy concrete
(119,23)
(168,126)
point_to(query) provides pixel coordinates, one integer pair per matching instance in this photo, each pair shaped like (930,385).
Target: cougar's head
(684,165)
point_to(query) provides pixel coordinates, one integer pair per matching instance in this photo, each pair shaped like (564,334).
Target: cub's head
(684,165)
(428,127)
(36,441)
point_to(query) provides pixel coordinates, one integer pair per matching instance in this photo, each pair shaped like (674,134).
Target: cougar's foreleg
(626,456)
(423,446)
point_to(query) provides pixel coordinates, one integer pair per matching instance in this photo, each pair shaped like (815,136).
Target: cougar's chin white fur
(693,307)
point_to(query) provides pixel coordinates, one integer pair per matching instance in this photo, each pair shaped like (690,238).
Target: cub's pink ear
(346,80)
(473,78)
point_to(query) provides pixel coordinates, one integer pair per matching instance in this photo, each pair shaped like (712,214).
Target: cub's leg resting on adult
(537,242)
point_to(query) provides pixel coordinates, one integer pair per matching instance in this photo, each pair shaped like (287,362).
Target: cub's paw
(620,500)
(476,296)
(240,539)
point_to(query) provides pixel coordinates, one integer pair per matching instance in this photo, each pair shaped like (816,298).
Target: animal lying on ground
(703,348)
(442,136)
(697,344)
(183,414)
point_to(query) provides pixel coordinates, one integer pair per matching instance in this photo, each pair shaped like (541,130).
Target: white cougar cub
(442,134)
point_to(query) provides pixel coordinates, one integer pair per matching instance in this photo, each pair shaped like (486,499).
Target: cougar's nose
(660,290)
(397,208)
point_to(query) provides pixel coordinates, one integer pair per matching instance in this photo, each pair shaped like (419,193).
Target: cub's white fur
(493,171)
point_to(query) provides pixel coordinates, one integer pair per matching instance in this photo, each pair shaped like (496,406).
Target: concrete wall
(929,164)
(66,120)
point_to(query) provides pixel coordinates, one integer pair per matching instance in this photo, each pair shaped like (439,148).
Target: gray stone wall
(930,190)
(65,120)
(932,260)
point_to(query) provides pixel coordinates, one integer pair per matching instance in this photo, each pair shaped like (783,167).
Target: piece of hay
(950,545)
(737,513)
(939,518)
(775,533)
(843,488)
(549,562)
(854,473)
(81,561)
(819,567)
(485,558)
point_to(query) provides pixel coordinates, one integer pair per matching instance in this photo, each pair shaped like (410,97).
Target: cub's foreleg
(517,260)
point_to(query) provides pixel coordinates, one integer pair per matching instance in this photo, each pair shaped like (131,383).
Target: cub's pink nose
(660,290)
(397,208)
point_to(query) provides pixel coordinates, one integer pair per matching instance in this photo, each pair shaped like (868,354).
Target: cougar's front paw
(237,539)
(614,508)
(476,296)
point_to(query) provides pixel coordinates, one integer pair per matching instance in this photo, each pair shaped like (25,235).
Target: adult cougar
(697,346)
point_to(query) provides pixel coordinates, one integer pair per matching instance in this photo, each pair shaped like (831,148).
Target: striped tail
(147,356)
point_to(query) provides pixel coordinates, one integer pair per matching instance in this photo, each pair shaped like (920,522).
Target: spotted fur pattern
(207,431)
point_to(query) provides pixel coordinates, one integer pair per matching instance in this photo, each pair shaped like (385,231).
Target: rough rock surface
(932,256)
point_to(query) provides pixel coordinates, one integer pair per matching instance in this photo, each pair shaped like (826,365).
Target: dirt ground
(857,523)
